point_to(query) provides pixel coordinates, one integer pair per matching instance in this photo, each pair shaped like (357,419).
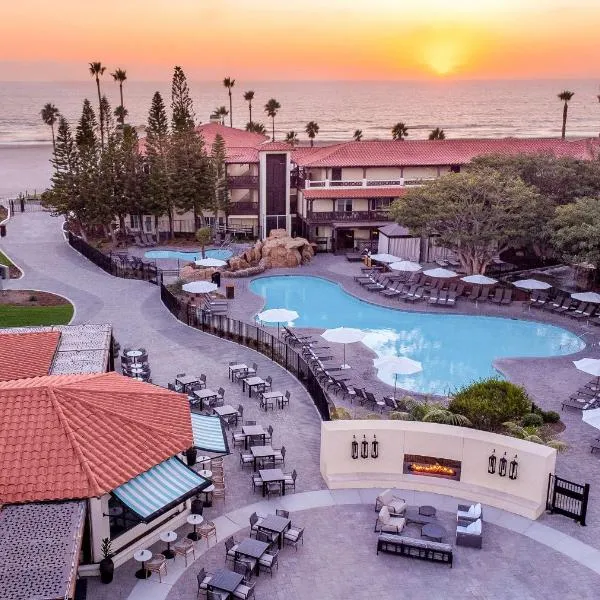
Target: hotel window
(380,203)
(134,221)
(344,205)
(148,224)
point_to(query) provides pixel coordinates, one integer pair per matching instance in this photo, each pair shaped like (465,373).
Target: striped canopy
(209,434)
(161,488)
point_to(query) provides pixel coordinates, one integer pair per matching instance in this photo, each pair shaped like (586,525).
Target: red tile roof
(67,437)
(241,155)
(233,137)
(390,153)
(27,354)
(275,146)
(357,192)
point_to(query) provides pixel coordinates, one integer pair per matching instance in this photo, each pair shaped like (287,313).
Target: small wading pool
(454,349)
(187,256)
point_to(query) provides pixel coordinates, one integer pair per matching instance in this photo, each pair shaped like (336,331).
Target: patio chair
(418,295)
(346,391)
(581,403)
(507,296)
(565,303)
(391,403)
(246,460)
(268,385)
(290,480)
(585,313)
(293,536)
(395,504)
(377,287)
(273,489)
(360,395)
(230,547)
(468,512)
(218,492)
(595,445)
(281,402)
(157,564)
(203,579)
(251,372)
(497,297)
(451,299)
(433,298)
(220,400)
(475,293)
(244,567)
(392,290)
(245,590)
(266,403)
(257,481)
(269,560)
(208,530)
(238,439)
(469,533)
(374,402)
(255,521)
(557,302)
(249,422)
(388,524)
(184,547)
(442,298)
(269,434)
(408,291)
(279,455)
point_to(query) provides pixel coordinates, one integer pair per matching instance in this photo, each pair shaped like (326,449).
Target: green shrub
(550,416)
(339,414)
(32,298)
(400,416)
(490,402)
(372,416)
(532,420)
(418,412)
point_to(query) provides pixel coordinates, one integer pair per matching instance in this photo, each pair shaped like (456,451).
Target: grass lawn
(12,315)
(4,260)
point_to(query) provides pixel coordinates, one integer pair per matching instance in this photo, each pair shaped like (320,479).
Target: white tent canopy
(531,284)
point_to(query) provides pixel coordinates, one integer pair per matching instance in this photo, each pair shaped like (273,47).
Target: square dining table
(253,549)
(205,395)
(226,580)
(275,524)
(233,369)
(255,431)
(226,411)
(272,476)
(251,382)
(262,452)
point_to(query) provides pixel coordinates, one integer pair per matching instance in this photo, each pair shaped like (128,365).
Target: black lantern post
(374,447)
(492,462)
(364,447)
(354,447)
(513,468)
(502,466)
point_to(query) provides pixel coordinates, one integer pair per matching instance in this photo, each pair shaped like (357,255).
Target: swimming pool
(454,349)
(188,256)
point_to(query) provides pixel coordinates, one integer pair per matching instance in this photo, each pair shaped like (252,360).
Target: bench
(414,548)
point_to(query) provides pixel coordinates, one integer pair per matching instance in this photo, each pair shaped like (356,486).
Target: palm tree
(565,96)
(312,128)
(229,83)
(96,69)
(121,112)
(50,115)
(221,112)
(256,128)
(358,135)
(399,131)
(120,76)
(248,97)
(437,134)
(271,108)
(291,137)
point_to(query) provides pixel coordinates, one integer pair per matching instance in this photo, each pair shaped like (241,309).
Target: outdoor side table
(194,520)
(251,382)
(134,354)
(433,532)
(205,473)
(253,549)
(271,476)
(262,452)
(168,537)
(142,556)
(251,431)
(427,511)
(225,580)
(233,369)
(275,524)
(207,493)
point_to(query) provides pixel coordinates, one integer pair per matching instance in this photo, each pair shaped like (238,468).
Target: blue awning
(160,488)
(209,433)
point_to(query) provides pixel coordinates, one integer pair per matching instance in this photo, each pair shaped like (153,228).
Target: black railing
(568,498)
(253,337)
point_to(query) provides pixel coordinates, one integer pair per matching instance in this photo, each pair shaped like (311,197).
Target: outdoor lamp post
(374,447)
(502,466)
(364,447)
(513,468)
(492,462)
(354,447)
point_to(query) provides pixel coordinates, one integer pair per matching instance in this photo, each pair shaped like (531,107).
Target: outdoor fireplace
(431,466)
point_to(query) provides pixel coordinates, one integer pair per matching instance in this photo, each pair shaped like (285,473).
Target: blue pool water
(189,256)
(453,349)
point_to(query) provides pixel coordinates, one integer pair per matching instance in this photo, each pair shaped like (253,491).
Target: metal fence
(253,337)
(568,498)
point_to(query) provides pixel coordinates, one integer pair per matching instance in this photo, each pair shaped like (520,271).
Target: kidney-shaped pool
(454,349)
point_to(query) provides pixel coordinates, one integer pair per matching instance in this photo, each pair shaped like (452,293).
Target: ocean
(461,108)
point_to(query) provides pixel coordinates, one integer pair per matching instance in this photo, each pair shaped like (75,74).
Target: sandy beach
(24,168)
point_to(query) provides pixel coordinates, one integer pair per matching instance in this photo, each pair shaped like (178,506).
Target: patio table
(194,520)
(251,431)
(205,394)
(253,549)
(233,369)
(262,452)
(169,537)
(272,476)
(272,396)
(186,381)
(275,524)
(226,411)
(142,556)
(433,532)
(225,580)
(251,382)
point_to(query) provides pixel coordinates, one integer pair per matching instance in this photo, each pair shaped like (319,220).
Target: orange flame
(432,469)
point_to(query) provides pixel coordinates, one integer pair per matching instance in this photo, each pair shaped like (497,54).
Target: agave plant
(400,416)
(445,417)
(558,445)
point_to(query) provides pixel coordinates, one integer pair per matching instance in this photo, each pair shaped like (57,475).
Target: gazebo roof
(78,436)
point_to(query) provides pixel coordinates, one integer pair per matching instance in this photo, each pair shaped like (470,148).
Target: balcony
(243,208)
(365,183)
(242,182)
(355,215)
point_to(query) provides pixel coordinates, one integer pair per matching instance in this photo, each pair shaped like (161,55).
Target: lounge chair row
(564,304)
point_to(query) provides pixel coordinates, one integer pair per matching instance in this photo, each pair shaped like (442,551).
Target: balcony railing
(243,208)
(354,183)
(242,182)
(355,215)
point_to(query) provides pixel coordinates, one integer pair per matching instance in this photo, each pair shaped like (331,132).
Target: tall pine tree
(219,196)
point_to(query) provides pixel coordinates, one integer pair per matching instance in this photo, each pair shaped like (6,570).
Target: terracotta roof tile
(27,354)
(275,146)
(77,436)
(233,137)
(357,192)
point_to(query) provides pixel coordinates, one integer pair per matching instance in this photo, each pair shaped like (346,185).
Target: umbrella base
(345,367)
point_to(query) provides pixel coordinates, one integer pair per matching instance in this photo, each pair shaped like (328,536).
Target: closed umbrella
(479,280)
(440,273)
(210,262)
(385,258)
(398,365)
(591,297)
(277,315)
(343,335)
(592,417)
(199,287)
(531,284)
(589,365)
(405,265)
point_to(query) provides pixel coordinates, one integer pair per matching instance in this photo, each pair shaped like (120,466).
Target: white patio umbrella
(592,417)
(479,280)
(591,297)
(277,315)
(385,258)
(199,287)
(210,262)
(399,365)
(589,365)
(406,265)
(531,284)
(440,273)
(343,335)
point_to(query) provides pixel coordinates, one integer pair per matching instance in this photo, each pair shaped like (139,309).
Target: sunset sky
(309,39)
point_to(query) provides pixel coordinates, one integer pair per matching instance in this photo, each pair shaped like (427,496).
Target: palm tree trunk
(273,137)
(53,138)
(311,142)
(101,112)
(250,109)
(230,110)
(122,105)
(564,124)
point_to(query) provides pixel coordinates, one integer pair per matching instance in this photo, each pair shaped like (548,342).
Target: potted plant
(191,454)
(107,566)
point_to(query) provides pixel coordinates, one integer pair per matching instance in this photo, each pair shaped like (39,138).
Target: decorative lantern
(364,447)
(513,468)
(374,447)
(492,462)
(502,466)
(354,447)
